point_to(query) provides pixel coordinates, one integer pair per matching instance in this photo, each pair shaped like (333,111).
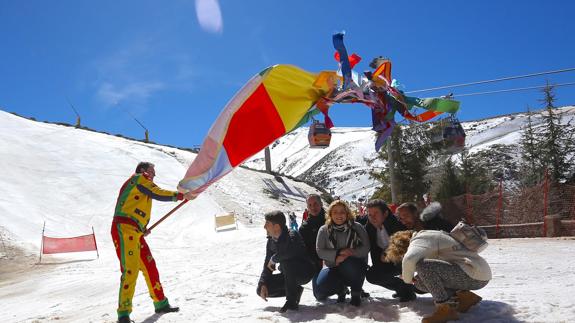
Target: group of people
(331,250)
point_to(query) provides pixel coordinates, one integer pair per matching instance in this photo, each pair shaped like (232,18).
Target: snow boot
(300,291)
(444,312)
(405,294)
(466,299)
(289,305)
(355,298)
(341,295)
(125,319)
(167,309)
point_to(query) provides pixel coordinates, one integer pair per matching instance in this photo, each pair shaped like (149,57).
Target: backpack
(470,236)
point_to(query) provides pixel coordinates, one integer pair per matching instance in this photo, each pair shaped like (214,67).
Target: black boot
(289,305)
(341,295)
(355,298)
(125,319)
(300,291)
(167,309)
(406,294)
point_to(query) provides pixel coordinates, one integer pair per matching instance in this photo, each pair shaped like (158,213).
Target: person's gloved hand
(180,196)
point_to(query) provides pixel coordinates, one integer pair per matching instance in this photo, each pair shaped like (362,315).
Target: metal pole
(545,193)
(42,242)
(391,160)
(95,244)
(499,209)
(268,160)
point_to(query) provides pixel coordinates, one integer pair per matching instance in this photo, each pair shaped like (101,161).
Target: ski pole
(165,216)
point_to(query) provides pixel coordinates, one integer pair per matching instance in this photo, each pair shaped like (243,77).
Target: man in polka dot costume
(131,217)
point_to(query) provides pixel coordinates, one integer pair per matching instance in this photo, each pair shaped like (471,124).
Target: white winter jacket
(428,244)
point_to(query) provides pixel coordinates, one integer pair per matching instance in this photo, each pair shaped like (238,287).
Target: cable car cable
(494,80)
(513,90)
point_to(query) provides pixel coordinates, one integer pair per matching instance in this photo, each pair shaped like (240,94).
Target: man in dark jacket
(309,227)
(285,247)
(429,219)
(381,225)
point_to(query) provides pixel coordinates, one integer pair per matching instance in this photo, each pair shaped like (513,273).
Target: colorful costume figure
(131,217)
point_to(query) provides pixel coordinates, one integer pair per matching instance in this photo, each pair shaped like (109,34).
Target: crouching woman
(343,244)
(445,268)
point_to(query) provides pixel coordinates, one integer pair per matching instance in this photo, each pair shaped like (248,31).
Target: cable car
(449,135)
(319,135)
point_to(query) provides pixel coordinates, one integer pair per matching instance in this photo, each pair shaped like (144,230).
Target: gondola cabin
(449,136)
(319,135)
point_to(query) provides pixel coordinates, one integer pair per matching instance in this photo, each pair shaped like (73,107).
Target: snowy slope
(342,167)
(69,178)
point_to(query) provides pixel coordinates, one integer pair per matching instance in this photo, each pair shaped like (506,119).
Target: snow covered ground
(70,178)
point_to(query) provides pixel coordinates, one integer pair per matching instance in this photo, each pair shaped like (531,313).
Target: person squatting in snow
(131,216)
(308,230)
(343,245)
(380,226)
(287,248)
(445,268)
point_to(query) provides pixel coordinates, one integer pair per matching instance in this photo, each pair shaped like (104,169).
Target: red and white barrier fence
(62,245)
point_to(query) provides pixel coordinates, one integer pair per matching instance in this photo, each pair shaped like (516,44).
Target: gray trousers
(442,279)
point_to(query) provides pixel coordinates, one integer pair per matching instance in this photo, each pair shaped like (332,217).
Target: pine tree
(474,173)
(450,184)
(410,146)
(531,158)
(555,139)
(413,162)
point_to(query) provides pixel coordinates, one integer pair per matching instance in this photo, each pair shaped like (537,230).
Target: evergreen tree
(410,146)
(450,184)
(531,158)
(555,139)
(474,174)
(413,163)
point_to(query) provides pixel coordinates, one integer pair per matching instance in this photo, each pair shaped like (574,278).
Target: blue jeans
(331,281)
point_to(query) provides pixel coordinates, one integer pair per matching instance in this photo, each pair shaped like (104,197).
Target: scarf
(352,241)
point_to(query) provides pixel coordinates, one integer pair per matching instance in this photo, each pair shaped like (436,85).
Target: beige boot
(466,299)
(443,312)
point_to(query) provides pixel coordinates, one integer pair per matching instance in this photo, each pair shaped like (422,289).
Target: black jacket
(289,246)
(308,231)
(391,225)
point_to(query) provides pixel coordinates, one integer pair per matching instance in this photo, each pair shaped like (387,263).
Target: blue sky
(152,59)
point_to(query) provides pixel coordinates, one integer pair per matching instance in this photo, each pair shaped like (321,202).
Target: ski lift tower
(146,133)
(78,124)
(268,160)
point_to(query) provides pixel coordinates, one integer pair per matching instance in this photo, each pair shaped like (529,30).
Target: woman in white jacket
(445,268)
